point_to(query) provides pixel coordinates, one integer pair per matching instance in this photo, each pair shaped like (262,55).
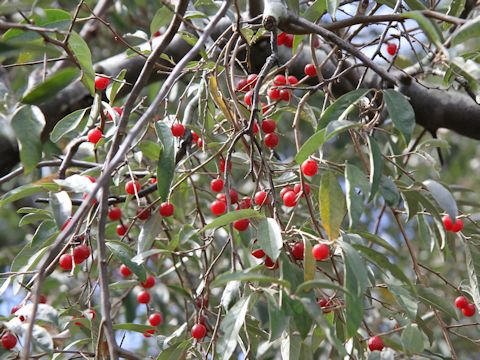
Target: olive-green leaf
(27,123)
(430,297)
(469,30)
(148,232)
(232,216)
(269,237)
(133,327)
(429,28)
(84,58)
(26,190)
(308,261)
(316,10)
(401,113)
(162,17)
(376,166)
(332,204)
(355,180)
(113,90)
(412,339)
(472,255)
(124,254)
(245,275)
(166,162)
(443,197)
(308,285)
(67,124)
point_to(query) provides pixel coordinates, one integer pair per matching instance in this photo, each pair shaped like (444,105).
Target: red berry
(271,140)
(166,209)
(233,196)
(447,222)
(461,302)
(255,128)
(80,253)
(149,282)
(258,253)
(458,226)
(101,82)
(148,333)
(292,80)
(285,94)
(324,303)
(143,297)
(310,70)
(155,319)
(274,94)
(290,199)
(245,203)
(94,135)
(285,190)
(15,309)
(279,80)
(242,85)
(268,126)
(289,41)
(125,271)
(218,207)
(153,180)
(248,98)
(66,262)
(118,110)
(201,302)
(199,331)
(260,197)
(469,310)
(178,130)
(281,39)
(297,250)
(309,167)
(121,230)
(9,341)
(195,136)
(391,49)
(375,343)
(221,165)
(321,252)
(270,264)
(264,108)
(115,213)
(42,299)
(132,187)
(298,187)
(252,80)
(91,314)
(241,225)
(143,213)
(216,185)
(222,197)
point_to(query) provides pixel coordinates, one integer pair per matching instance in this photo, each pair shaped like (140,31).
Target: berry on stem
(94,135)
(80,253)
(218,207)
(298,188)
(143,297)
(101,83)
(469,310)
(66,262)
(149,282)
(461,302)
(143,213)
(298,250)
(285,95)
(248,98)
(199,331)
(280,80)
(447,222)
(274,93)
(458,226)
(375,343)
(290,199)
(271,140)
(132,187)
(118,110)
(269,126)
(309,167)
(258,253)
(121,229)
(125,271)
(155,319)
(9,341)
(115,213)
(260,197)
(241,225)
(178,130)
(321,252)
(391,49)
(166,209)
(216,185)
(310,70)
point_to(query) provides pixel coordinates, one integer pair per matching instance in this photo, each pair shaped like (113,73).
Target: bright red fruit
(274,94)
(281,39)
(391,49)
(469,310)
(260,197)
(80,253)
(144,213)
(178,130)
(91,178)
(199,143)
(289,199)
(118,110)
(297,250)
(447,222)
(324,303)
(199,331)
(298,187)
(375,343)
(221,165)
(42,299)
(101,82)
(258,253)
(461,302)
(125,271)
(132,187)
(148,333)
(115,213)
(245,203)
(166,209)
(241,225)
(292,80)
(149,282)
(271,140)
(121,230)
(288,41)
(216,185)
(218,207)
(15,308)
(458,226)
(143,297)
(285,94)
(248,98)
(94,135)
(321,252)
(155,319)
(195,136)
(280,80)
(269,126)
(242,85)
(309,167)
(252,80)
(310,70)
(9,341)
(285,190)
(255,128)
(66,262)
(270,264)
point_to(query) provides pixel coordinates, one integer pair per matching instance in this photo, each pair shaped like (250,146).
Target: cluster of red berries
(178,130)
(80,254)
(319,251)
(452,226)
(285,39)
(465,306)
(277,92)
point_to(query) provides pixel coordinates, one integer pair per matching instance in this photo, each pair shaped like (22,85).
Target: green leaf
(113,90)
(416,5)
(356,282)
(50,87)
(308,261)
(124,254)
(300,316)
(26,190)
(150,149)
(405,299)
(133,327)
(469,30)
(162,17)
(443,197)
(245,275)
(472,255)
(84,57)
(454,9)
(269,237)
(293,5)
(27,123)
(61,206)
(332,6)
(316,10)
(67,124)
(308,285)
(401,113)
(376,167)
(341,107)
(148,232)
(230,217)
(355,179)
(412,339)
(389,191)
(166,162)
(430,297)
(429,28)
(332,205)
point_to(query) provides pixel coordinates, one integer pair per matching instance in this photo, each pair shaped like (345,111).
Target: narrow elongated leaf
(26,190)
(355,179)
(61,206)
(133,327)
(316,10)
(28,122)
(412,340)
(308,261)
(332,6)
(67,124)
(269,237)
(430,297)
(401,113)
(50,87)
(406,299)
(376,167)
(124,254)
(232,216)
(472,254)
(308,285)
(443,197)
(148,232)
(162,17)
(76,183)
(166,162)
(469,30)
(84,57)
(389,191)
(113,90)
(223,279)
(341,107)
(332,205)
(429,28)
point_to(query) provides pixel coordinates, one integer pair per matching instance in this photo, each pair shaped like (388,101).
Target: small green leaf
(166,161)
(401,113)
(67,124)
(332,205)
(28,122)
(308,261)
(269,237)
(412,340)
(443,197)
(469,30)
(430,297)
(232,216)
(150,149)
(84,57)
(26,190)
(389,191)
(148,232)
(355,179)
(376,167)
(162,17)
(124,254)
(316,10)
(341,107)
(245,275)
(117,85)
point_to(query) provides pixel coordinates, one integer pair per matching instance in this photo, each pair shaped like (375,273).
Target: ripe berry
(65,262)
(178,130)
(458,226)
(149,282)
(288,41)
(298,187)
(461,302)
(195,136)
(42,299)
(274,94)
(199,143)
(252,80)
(80,253)
(260,197)
(125,271)
(91,178)
(285,190)
(289,199)
(153,180)
(121,229)
(264,107)
(271,140)
(375,343)
(321,252)
(118,110)
(115,213)
(94,135)
(280,80)
(166,209)
(281,39)
(143,297)
(292,80)
(285,94)
(297,250)
(309,167)
(221,165)
(218,207)
(155,319)
(324,303)
(391,49)
(216,185)
(469,310)
(258,253)
(310,70)
(447,222)
(132,187)
(233,196)
(148,333)
(201,302)
(255,128)
(241,225)
(270,264)
(248,98)
(101,82)
(245,203)
(144,213)
(242,85)
(268,126)
(9,341)
(199,331)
